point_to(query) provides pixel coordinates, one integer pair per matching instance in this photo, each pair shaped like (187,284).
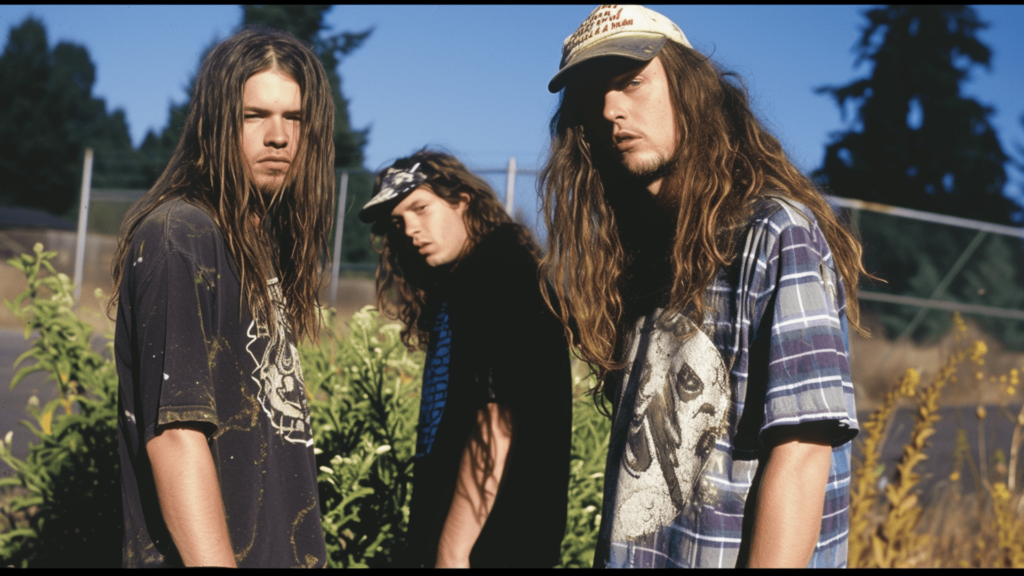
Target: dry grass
(984,528)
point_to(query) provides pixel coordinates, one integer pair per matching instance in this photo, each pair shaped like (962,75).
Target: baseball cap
(613,30)
(396,184)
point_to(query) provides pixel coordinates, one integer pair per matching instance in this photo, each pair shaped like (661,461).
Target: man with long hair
(710,284)
(491,469)
(218,268)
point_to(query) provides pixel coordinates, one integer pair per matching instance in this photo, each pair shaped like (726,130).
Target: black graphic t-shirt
(186,352)
(494,340)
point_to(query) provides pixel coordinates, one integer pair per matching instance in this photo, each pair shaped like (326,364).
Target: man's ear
(463,202)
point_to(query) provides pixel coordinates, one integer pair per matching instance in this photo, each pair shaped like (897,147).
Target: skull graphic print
(680,409)
(282,392)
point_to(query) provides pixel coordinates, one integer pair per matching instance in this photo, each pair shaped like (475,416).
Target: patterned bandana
(396,184)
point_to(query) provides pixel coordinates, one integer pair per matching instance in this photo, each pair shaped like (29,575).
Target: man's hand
(480,470)
(791,497)
(189,495)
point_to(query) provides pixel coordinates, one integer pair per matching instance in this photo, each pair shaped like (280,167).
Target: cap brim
(637,47)
(379,211)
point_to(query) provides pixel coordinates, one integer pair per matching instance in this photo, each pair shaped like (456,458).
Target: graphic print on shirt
(279,375)
(681,409)
(435,383)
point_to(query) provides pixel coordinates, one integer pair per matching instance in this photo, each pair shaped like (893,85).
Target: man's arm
(189,495)
(480,471)
(791,497)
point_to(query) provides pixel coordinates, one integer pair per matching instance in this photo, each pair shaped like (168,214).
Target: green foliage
(355,243)
(48,116)
(590,433)
(365,390)
(63,506)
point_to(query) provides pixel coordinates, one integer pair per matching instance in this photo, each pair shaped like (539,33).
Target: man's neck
(655,186)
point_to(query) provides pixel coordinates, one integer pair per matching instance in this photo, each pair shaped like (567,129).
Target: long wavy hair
(284,232)
(404,279)
(724,162)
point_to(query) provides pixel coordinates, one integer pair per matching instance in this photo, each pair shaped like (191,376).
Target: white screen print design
(278,374)
(680,410)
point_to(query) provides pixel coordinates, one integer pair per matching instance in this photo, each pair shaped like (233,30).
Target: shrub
(63,506)
(364,392)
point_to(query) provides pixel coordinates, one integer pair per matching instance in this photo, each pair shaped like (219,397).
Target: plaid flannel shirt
(686,441)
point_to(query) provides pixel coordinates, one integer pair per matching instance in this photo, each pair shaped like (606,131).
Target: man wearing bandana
(490,477)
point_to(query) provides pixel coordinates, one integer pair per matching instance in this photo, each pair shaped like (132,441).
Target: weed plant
(63,506)
(983,529)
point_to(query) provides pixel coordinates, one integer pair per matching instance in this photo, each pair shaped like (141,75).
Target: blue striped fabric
(690,412)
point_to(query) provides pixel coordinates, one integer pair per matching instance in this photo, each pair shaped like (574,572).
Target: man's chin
(644,171)
(268,187)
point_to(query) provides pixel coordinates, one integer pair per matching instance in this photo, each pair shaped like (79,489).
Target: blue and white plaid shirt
(690,412)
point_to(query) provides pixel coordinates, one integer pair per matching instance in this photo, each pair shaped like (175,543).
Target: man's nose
(613,106)
(411,227)
(277,135)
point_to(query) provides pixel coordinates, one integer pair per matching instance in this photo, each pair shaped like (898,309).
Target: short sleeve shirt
(692,405)
(186,352)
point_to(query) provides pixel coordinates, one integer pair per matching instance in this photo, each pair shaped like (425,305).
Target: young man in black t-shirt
(217,269)
(490,480)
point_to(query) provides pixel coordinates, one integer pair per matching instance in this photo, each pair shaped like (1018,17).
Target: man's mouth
(624,141)
(276,161)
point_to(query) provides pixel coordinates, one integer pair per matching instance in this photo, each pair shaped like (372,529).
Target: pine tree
(48,116)
(916,141)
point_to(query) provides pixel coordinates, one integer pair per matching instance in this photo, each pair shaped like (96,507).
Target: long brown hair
(403,277)
(208,171)
(725,160)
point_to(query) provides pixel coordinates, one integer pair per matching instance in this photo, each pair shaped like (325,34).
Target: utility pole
(339,227)
(510,187)
(83,221)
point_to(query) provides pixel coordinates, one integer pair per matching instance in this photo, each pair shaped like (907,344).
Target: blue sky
(473,79)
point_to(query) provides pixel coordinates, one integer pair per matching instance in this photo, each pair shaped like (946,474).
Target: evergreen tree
(917,142)
(48,117)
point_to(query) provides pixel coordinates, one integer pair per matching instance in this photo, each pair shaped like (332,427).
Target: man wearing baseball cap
(491,470)
(711,285)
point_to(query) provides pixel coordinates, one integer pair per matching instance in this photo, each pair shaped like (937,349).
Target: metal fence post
(339,227)
(510,186)
(83,221)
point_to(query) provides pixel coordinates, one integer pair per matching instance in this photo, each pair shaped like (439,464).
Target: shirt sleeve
(808,377)
(173,310)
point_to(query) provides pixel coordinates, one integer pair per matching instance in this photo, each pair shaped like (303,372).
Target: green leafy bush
(590,433)
(365,391)
(63,506)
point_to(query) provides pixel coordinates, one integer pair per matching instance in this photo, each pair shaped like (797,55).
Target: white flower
(9,436)
(326,470)
(382,449)
(317,451)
